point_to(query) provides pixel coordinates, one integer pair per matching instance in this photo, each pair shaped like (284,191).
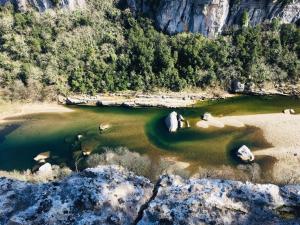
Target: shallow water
(141,130)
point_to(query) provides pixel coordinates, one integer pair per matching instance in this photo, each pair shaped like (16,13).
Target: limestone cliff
(42,5)
(112,195)
(210,17)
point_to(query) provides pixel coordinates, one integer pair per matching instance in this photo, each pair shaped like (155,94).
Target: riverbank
(140,99)
(11,110)
(168,99)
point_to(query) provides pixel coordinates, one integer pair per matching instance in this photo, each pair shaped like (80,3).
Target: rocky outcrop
(260,11)
(103,195)
(210,17)
(42,5)
(205,201)
(112,195)
(134,99)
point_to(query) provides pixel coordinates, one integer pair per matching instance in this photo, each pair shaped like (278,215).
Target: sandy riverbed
(279,129)
(17,109)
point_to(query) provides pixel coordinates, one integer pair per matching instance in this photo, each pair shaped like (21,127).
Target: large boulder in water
(172,122)
(245,154)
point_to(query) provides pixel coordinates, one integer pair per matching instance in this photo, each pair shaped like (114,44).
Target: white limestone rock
(208,201)
(111,195)
(245,154)
(207,116)
(172,122)
(103,195)
(211,17)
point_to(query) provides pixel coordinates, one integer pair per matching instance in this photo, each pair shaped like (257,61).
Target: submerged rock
(172,122)
(245,154)
(79,137)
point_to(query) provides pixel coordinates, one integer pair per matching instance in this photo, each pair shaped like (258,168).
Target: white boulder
(104,126)
(245,154)
(289,111)
(42,157)
(45,169)
(172,122)
(206,116)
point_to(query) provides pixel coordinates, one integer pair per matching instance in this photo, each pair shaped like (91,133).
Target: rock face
(114,196)
(42,5)
(103,195)
(210,17)
(207,201)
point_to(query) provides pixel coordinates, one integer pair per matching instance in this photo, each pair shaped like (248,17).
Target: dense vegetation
(105,49)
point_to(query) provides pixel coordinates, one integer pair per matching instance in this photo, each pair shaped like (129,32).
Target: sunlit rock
(245,154)
(105,195)
(42,156)
(104,126)
(172,122)
(206,116)
(289,111)
(45,169)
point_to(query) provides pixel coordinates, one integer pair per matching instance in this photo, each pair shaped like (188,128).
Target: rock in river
(245,154)
(104,126)
(206,116)
(172,122)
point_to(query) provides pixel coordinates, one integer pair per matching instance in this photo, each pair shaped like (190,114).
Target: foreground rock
(245,154)
(112,195)
(104,195)
(204,201)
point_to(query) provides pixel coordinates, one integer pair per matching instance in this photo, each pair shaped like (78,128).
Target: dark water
(141,130)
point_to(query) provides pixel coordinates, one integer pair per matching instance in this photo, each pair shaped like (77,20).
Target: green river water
(141,130)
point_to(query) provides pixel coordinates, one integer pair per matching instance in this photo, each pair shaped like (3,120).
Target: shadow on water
(212,146)
(7,130)
(252,137)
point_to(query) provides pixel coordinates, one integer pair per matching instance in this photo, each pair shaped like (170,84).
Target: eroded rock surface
(112,195)
(206,201)
(42,5)
(103,195)
(210,17)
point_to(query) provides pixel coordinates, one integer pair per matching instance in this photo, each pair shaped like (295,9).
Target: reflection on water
(141,130)
(6,130)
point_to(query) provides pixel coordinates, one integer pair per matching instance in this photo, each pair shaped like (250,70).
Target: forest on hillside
(106,49)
